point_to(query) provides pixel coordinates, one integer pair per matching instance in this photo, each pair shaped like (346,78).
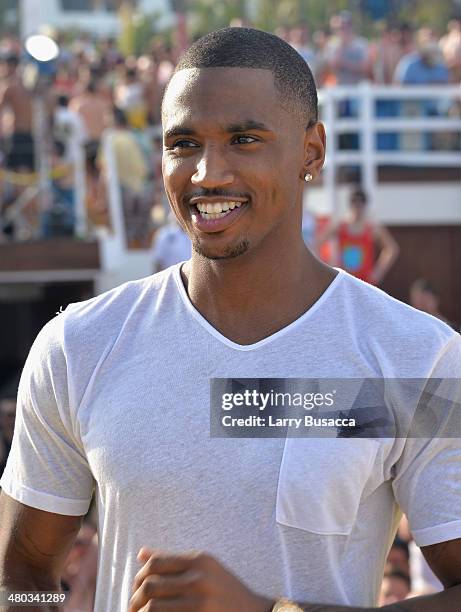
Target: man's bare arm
(34,545)
(389,251)
(448,601)
(3,98)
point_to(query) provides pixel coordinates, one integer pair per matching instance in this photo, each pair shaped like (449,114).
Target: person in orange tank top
(358,239)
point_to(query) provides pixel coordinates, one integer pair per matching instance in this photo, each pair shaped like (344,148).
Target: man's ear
(314,149)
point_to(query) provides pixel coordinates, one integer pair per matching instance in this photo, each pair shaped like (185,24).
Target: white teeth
(217,207)
(217,210)
(212,215)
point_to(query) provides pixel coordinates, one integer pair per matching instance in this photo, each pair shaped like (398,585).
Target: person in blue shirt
(425,67)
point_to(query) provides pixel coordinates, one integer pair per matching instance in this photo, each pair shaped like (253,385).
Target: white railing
(367,125)
(81,219)
(118,262)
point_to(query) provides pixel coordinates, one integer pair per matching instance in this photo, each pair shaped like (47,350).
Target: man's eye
(183,144)
(245,139)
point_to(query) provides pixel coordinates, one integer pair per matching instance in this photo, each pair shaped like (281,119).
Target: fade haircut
(251,48)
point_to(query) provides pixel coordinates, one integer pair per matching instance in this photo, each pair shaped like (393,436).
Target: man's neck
(252,297)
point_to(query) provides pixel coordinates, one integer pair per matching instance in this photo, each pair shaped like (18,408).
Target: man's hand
(190,582)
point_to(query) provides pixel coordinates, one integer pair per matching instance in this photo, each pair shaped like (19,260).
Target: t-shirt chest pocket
(321,482)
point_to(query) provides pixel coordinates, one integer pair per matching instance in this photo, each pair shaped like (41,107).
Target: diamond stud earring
(308,177)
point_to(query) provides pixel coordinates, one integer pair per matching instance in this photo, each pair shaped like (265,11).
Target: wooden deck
(50,254)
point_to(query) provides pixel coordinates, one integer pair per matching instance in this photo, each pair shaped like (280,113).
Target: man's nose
(212,170)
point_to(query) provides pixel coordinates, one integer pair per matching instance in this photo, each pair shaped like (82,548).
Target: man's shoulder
(392,322)
(6,88)
(407,61)
(76,102)
(76,342)
(123,295)
(105,314)
(415,65)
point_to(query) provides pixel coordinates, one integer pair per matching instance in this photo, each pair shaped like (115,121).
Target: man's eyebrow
(249,124)
(244,126)
(178,131)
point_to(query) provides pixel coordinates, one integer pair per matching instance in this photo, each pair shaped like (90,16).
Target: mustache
(214,193)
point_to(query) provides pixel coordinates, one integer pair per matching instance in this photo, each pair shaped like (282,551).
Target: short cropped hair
(119,116)
(63,101)
(359,194)
(236,47)
(396,573)
(424,285)
(403,546)
(12,59)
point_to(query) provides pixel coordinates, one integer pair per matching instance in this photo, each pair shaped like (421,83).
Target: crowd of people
(398,55)
(93,87)
(89,93)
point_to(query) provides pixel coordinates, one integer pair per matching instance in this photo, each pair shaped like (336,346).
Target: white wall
(35,14)
(400,204)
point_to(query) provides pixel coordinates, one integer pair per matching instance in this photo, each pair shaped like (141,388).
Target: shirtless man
(93,108)
(17,99)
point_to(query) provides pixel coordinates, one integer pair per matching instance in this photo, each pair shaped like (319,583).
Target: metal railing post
(330,166)
(81,224)
(114,194)
(367,116)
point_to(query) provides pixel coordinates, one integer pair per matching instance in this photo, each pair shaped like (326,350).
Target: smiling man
(115,393)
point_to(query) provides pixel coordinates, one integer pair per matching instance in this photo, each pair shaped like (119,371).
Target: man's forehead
(226,92)
(212,80)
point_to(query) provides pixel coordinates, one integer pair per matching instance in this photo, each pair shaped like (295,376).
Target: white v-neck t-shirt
(115,395)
